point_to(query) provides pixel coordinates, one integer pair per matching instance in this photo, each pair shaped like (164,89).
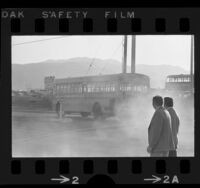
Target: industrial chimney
(133,54)
(124,62)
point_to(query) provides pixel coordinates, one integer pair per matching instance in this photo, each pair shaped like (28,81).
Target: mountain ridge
(23,74)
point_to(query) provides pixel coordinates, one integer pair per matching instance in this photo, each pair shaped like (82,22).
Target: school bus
(97,95)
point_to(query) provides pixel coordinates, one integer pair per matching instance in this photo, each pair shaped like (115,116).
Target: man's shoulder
(159,113)
(172,111)
(163,112)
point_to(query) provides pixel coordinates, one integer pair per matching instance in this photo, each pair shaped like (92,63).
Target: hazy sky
(152,50)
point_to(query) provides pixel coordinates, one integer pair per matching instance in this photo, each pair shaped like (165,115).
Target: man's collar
(169,108)
(160,107)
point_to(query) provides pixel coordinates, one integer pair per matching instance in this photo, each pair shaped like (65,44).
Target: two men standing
(163,129)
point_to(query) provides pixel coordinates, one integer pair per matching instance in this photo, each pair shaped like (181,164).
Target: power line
(111,56)
(34,41)
(93,60)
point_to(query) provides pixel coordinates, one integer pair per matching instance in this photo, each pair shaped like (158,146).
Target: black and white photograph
(103,96)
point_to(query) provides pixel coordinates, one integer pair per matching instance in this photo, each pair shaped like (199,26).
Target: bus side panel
(74,104)
(102,98)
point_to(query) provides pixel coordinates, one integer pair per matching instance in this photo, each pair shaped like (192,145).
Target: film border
(39,170)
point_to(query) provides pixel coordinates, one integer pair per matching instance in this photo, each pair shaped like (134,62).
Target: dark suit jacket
(159,132)
(175,125)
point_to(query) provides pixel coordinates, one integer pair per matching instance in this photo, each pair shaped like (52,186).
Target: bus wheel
(85,114)
(97,111)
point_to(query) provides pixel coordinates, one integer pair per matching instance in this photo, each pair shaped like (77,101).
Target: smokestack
(124,63)
(133,54)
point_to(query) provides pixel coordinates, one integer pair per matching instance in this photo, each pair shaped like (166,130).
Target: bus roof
(179,76)
(101,78)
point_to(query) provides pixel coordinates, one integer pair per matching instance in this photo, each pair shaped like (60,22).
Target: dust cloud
(135,121)
(125,135)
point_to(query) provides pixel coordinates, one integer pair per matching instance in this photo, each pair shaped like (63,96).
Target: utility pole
(124,63)
(133,54)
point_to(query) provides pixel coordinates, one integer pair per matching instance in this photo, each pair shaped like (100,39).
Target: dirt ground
(42,134)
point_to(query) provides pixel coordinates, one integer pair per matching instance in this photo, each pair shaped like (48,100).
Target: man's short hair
(168,102)
(158,100)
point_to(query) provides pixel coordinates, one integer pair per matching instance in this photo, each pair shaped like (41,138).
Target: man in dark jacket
(159,132)
(168,104)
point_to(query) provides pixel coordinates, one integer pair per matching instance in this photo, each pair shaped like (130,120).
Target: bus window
(84,90)
(103,88)
(74,89)
(77,89)
(140,88)
(80,88)
(128,87)
(107,88)
(71,88)
(145,88)
(89,88)
(168,80)
(68,88)
(65,88)
(95,89)
(136,88)
(186,79)
(112,88)
(92,88)
(121,87)
(58,89)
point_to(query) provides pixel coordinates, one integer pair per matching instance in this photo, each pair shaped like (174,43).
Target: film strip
(94,22)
